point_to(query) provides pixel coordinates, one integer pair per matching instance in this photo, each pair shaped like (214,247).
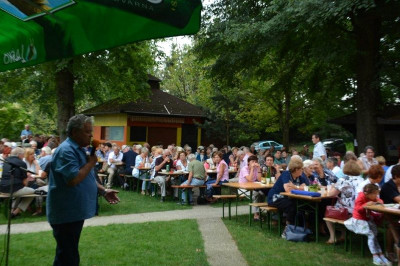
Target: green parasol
(35,31)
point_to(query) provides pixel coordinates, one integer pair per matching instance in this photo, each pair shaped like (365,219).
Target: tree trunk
(65,99)
(367,28)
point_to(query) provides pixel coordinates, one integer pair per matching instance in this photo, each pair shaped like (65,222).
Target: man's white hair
(191,157)
(77,122)
(32,142)
(46,150)
(17,151)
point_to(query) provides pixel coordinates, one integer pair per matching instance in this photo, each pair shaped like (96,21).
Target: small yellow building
(163,120)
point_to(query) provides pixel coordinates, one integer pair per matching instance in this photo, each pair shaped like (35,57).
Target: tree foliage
(13,120)
(96,77)
(309,60)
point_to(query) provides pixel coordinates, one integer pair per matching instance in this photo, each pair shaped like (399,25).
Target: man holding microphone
(72,194)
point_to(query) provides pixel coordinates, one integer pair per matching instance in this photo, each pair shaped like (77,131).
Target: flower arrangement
(314,186)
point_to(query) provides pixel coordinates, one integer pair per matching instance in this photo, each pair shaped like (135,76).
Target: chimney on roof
(153,82)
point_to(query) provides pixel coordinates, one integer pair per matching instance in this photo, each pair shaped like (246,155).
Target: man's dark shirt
(19,175)
(160,160)
(389,192)
(129,158)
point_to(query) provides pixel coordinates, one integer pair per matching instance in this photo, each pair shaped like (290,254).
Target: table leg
(237,202)
(297,211)
(138,181)
(316,221)
(229,203)
(250,212)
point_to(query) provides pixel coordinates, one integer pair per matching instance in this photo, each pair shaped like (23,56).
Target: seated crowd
(355,181)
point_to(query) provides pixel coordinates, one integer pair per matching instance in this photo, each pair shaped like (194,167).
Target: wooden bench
(341,222)
(103,178)
(6,198)
(130,179)
(269,210)
(348,237)
(227,198)
(257,205)
(181,187)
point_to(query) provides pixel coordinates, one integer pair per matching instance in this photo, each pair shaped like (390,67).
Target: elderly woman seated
(308,169)
(345,189)
(251,173)
(321,174)
(289,180)
(269,166)
(222,176)
(140,162)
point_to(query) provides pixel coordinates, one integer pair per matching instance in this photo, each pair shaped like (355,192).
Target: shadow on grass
(261,247)
(131,202)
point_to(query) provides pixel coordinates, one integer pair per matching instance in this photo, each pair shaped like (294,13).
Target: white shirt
(388,174)
(319,150)
(183,168)
(112,156)
(243,162)
(336,169)
(360,187)
(138,161)
(367,164)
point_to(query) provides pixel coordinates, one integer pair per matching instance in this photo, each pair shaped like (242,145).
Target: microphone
(95,143)
(17,166)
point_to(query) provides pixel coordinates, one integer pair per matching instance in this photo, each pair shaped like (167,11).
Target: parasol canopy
(36,31)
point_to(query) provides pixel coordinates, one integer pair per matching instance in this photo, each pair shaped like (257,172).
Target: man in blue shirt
(73,190)
(26,132)
(45,157)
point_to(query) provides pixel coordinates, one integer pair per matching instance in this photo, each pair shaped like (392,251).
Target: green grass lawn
(155,243)
(131,202)
(260,247)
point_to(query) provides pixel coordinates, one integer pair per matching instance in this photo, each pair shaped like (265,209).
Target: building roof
(161,103)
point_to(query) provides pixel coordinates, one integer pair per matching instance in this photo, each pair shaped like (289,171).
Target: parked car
(334,145)
(266,144)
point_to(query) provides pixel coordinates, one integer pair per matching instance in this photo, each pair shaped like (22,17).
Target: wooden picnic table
(173,173)
(384,208)
(250,186)
(303,201)
(215,171)
(142,170)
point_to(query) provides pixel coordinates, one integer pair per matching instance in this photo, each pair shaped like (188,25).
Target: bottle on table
(269,172)
(263,175)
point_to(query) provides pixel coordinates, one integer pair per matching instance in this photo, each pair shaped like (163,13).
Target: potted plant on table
(314,186)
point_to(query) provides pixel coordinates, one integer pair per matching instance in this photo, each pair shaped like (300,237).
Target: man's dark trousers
(67,237)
